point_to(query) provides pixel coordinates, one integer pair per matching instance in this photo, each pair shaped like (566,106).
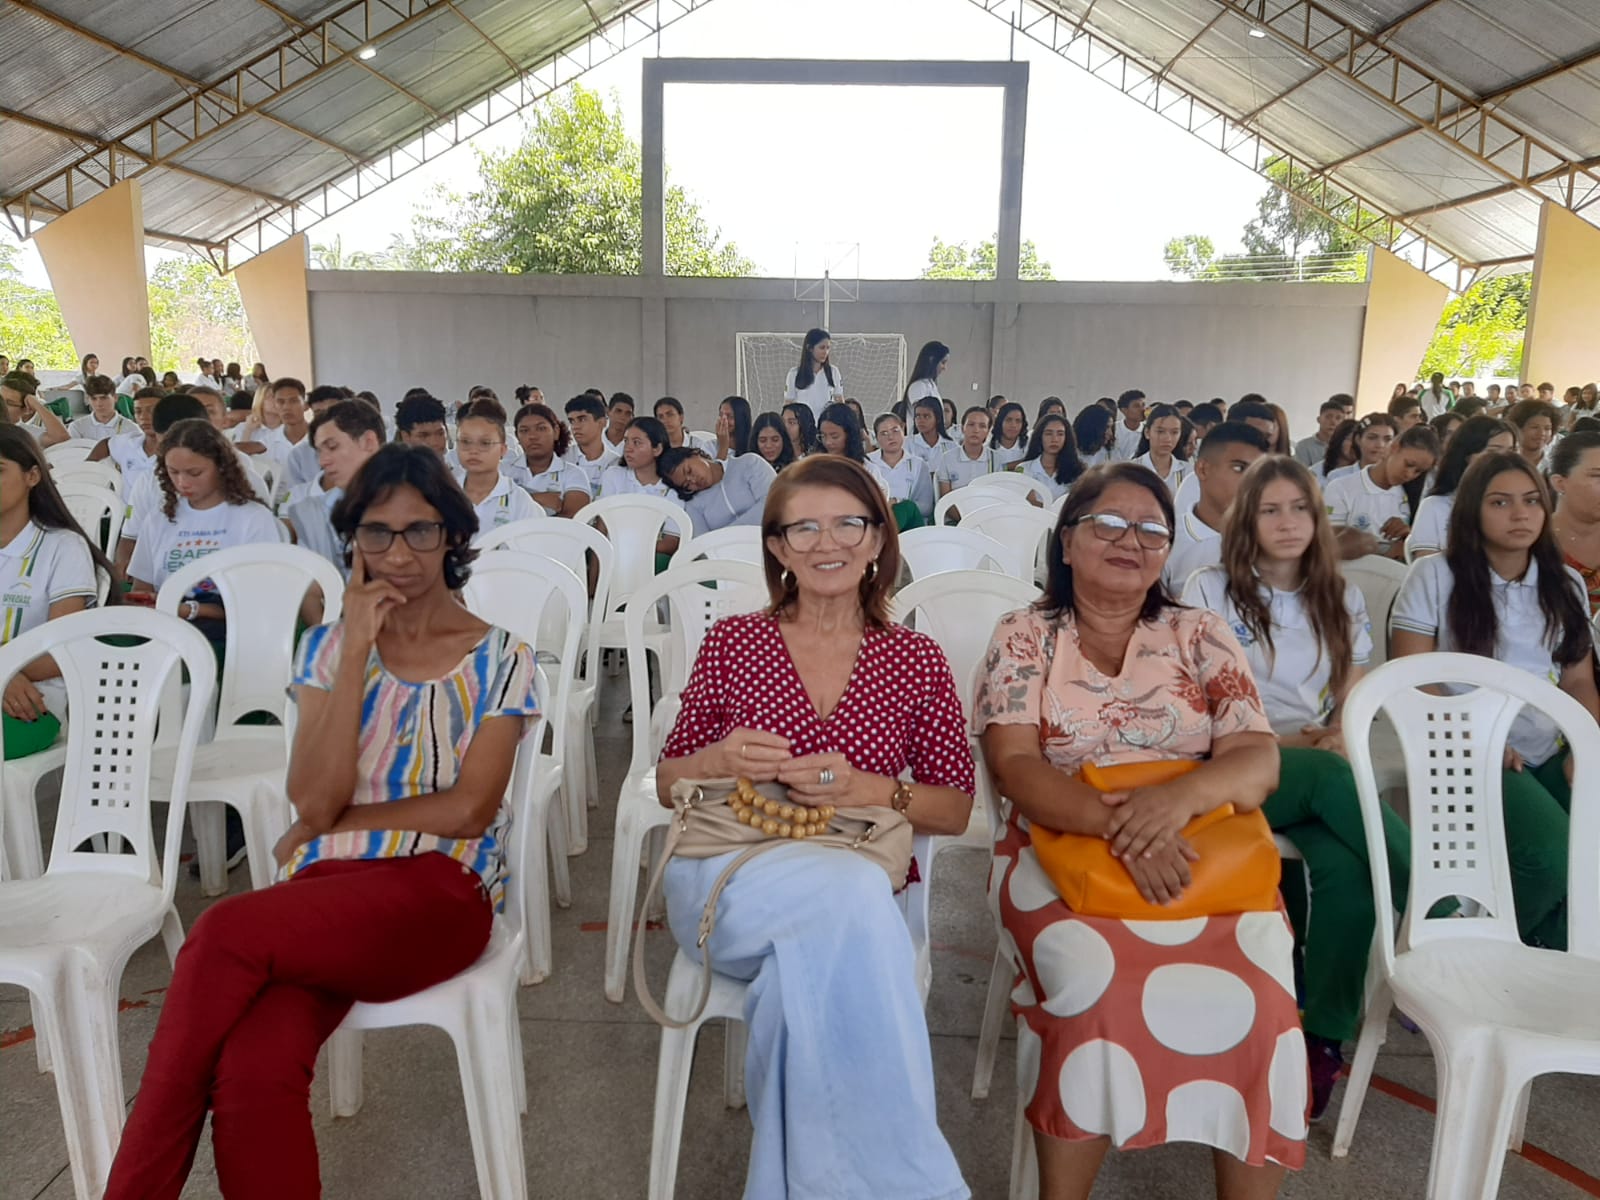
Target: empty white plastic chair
(1022,529)
(1496,1013)
(104,473)
(970,499)
(73,450)
(737,588)
(1379,579)
(1014,481)
(633,526)
(739,542)
(573,544)
(935,548)
(243,766)
(67,935)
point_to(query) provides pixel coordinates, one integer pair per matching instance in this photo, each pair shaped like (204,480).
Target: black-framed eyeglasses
(804,536)
(421,536)
(1109,527)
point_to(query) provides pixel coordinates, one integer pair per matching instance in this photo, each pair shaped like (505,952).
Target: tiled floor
(591,1073)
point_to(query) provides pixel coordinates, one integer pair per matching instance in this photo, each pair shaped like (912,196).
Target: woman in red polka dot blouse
(824,694)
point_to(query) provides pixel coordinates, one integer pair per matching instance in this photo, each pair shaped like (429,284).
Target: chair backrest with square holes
(117,665)
(1454,747)
(634,524)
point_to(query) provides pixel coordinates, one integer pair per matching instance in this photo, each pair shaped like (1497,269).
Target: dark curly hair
(548,415)
(199,436)
(400,465)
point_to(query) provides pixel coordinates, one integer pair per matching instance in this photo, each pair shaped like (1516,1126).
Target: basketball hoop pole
(827,297)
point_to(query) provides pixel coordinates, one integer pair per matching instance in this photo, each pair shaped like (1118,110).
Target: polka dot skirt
(1153,1031)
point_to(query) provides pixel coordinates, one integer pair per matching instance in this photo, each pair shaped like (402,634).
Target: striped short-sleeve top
(414,737)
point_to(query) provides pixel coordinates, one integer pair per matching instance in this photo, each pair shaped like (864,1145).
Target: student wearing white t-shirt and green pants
(1307,637)
(1501,547)
(47,570)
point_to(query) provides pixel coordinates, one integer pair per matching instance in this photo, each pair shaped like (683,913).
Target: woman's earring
(871,572)
(787,579)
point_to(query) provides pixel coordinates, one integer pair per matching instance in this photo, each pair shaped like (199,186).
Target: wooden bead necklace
(777,818)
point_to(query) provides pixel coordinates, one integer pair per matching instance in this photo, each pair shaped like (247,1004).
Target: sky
(868,177)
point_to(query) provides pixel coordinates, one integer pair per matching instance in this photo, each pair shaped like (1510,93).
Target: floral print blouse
(1184,682)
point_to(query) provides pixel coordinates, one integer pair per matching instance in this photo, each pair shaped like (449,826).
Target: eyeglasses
(804,536)
(421,536)
(1109,527)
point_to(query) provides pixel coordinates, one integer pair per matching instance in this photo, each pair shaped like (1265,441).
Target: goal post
(873,366)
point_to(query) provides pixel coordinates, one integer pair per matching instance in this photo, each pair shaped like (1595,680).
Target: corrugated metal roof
(1453,115)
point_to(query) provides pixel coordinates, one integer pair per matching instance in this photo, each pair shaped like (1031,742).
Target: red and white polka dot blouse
(899,709)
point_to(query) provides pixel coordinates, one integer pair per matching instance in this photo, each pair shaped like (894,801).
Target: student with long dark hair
(1478,435)
(815,382)
(929,436)
(801,426)
(1501,549)
(1372,508)
(1159,444)
(1341,451)
(932,360)
(1307,637)
(1008,437)
(47,570)
(669,411)
(1050,404)
(906,476)
(637,474)
(1052,457)
(1093,431)
(770,440)
(733,427)
(839,432)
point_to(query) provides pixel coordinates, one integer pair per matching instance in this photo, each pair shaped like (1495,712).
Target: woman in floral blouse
(1137,1033)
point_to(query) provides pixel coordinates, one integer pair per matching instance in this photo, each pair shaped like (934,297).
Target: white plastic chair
(104,473)
(739,542)
(970,499)
(936,548)
(675,1059)
(694,608)
(1022,529)
(477,1009)
(90,504)
(1496,1013)
(570,543)
(633,525)
(67,935)
(515,591)
(244,765)
(1015,482)
(1379,579)
(73,450)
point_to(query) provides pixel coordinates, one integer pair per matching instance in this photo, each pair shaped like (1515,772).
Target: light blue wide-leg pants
(838,1073)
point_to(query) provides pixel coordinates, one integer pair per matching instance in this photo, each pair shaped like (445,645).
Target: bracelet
(900,800)
(191,609)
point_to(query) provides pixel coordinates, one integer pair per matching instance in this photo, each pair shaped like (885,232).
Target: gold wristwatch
(901,799)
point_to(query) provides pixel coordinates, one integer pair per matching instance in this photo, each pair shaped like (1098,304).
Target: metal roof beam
(72,135)
(1384,32)
(1383,144)
(1283,95)
(1187,46)
(1503,189)
(494,45)
(105,43)
(1538,77)
(1392,80)
(295,23)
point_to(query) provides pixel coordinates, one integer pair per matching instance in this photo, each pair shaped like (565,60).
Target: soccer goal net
(873,366)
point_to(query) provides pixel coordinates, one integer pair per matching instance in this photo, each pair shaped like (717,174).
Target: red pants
(262,980)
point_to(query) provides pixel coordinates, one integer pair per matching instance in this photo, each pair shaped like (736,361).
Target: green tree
(195,311)
(30,319)
(956,260)
(567,200)
(1481,331)
(330,256)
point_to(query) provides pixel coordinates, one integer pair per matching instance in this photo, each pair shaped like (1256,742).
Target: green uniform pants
(1316,808)
(1536,801)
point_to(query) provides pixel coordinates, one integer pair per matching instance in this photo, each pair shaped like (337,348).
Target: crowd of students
(1214,541)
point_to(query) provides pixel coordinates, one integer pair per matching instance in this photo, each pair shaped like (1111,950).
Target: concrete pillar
(277,304)
(652,191)
(653,355)
(95,258)
(1403,308)
(1562,346)
(1013,139)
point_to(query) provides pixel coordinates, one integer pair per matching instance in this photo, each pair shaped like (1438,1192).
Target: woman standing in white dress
(816,382)
(931,362)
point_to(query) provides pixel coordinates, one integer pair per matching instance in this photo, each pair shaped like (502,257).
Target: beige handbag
(715,816)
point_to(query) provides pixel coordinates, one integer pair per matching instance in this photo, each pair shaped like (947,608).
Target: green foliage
(956,260)
(1481,330)
(30,321)
(330,256)
(566,200)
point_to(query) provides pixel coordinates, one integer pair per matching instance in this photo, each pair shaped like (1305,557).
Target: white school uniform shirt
(621,481)
(1098,459)
(1431,530)
(592,468)
(1519,641)
(87,427)
(1175,476)
(166,546)
(559,477)
(956,469)
(506,502)
(614,447)
(129,384)
(1127,441)
(127,451)
(909,479)
(1004,458)
(1034,470)
(922,389)
(1194,545)
(39,567)
(819,395)
(1355,502)
(145,498)
(1341,472)
(302,491)
(928,454)
(1294,679)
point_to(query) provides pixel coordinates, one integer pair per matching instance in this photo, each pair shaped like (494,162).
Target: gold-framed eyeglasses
(1109,527)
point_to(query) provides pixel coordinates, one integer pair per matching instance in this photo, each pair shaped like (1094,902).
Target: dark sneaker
(1327,1064)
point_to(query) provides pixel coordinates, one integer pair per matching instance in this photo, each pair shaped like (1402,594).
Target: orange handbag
(1237,871)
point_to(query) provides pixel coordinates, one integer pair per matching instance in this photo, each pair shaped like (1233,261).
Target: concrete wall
(389,331)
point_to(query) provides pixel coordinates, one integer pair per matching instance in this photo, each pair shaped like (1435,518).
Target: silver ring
(825,776)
